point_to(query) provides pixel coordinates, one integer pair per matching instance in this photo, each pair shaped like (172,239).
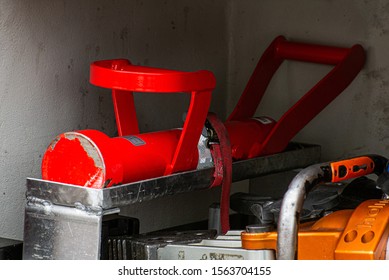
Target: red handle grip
(347,64)
(119,74)
(310,52)
(124,78)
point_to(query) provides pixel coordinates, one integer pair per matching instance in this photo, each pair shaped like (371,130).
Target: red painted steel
(90,158)
(141,156)
(276,135)
(120,75)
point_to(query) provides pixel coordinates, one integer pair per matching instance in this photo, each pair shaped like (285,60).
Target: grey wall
(356,122)
(45,50)
(46,47)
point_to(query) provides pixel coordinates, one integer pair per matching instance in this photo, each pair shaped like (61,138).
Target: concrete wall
(356,122)
(46,47)
(45,50)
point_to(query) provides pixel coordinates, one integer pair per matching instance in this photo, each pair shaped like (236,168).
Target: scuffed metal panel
(60,233)
(122,195)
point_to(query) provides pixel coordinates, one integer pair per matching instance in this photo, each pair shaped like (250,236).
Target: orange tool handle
(351,168)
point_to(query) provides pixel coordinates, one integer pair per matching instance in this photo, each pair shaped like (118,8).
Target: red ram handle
(348,63)
(124,79)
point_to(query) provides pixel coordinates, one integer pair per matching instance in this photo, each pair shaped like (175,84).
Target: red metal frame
(124,78)
(348,63)
(120,160)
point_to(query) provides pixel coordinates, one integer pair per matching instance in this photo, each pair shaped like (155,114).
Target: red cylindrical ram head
(92,159)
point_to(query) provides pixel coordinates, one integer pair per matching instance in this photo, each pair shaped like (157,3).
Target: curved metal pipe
(291,207)
(303,182)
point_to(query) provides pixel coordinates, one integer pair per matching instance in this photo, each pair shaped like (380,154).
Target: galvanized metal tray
(297,156)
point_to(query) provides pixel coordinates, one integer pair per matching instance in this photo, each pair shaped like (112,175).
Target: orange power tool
(345,234)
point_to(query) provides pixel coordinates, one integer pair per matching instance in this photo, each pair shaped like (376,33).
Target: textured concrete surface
(45,50)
